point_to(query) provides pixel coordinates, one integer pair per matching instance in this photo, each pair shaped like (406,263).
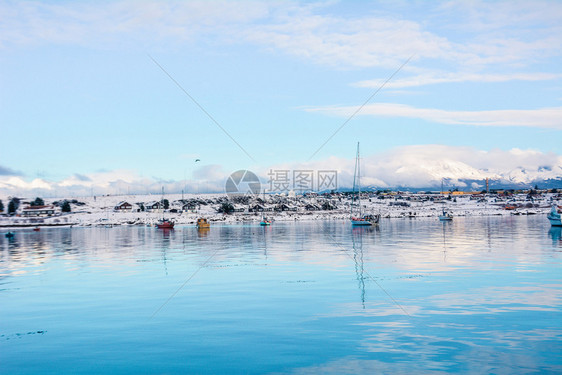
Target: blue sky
(83,107)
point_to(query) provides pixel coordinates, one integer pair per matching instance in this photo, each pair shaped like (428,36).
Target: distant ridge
(470,185)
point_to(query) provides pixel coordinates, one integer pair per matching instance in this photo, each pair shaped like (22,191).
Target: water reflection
(357,237)
(481,294)
(203,232)
(556,234)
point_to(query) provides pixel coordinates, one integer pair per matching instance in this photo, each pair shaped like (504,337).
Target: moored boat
(165,224)
(365,220)
(360,219)
(203,223)
(265,221)
(446,216)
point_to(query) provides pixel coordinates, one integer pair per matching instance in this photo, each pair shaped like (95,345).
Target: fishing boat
(360,218)
(554,216)
(265,221)
(202,223)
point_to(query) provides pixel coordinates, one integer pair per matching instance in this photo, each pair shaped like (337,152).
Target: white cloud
(550,118)
(427,165)
(463,34)
(209,178)
(366,42)
(210,172)
(18,183)
(431,79)
(114,24)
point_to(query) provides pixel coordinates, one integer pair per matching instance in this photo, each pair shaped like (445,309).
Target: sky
(115,97)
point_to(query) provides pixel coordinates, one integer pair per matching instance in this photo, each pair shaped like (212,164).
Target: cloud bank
(439,78)
(407,166)
(549,118)
(488,33)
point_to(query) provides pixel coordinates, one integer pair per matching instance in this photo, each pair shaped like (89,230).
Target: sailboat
(445,215)
(265,221)
(164,223)
(360,219)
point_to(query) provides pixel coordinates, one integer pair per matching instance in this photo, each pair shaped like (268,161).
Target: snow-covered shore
(100,211)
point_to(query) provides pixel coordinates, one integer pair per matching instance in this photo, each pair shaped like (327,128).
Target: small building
(189,206)
(312,207)
(153,206)
(285,207)
(123,206)
(38,211)
(256,208)
(239,208)
(329,206)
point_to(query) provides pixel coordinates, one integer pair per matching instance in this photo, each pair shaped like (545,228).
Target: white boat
(554,216)
(445,215)
(360,219)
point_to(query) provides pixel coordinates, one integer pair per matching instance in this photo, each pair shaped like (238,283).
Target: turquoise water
(476,295)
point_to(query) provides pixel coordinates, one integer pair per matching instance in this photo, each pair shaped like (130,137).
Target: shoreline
(102,211)
(181,219)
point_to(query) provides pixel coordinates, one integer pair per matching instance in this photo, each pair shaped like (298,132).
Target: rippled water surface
(476,295)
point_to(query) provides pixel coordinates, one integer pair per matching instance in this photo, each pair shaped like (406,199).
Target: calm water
(477,295)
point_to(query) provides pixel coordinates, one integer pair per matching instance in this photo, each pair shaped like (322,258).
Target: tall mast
(353,191)
(442,197)
(358,162)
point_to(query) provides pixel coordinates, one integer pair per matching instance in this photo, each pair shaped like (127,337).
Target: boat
(265,221)
(445,215)
(9,235)
(36,229)
(360,219)
(554,216)
(164,223)
(202,223)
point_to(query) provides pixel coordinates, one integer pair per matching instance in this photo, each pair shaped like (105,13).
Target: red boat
(165,224)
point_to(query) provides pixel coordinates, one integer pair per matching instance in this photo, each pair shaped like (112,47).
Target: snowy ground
(99,211)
